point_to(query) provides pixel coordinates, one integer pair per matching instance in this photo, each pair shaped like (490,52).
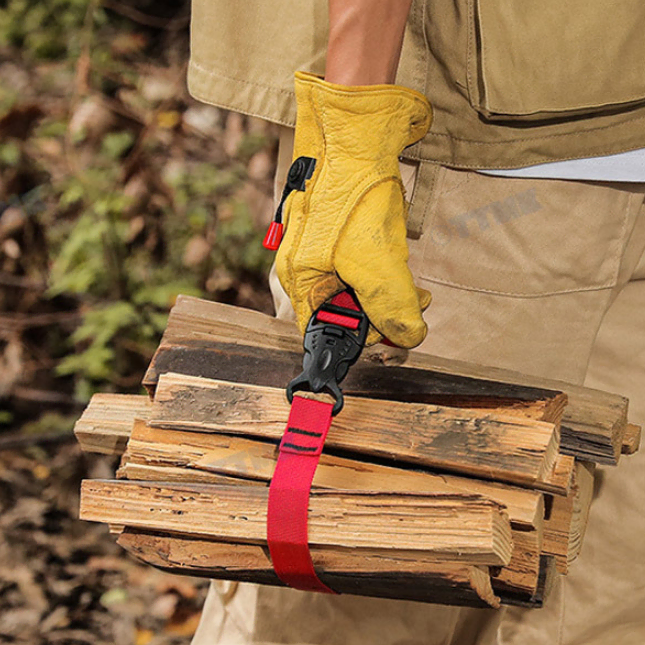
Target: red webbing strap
(300,450)
(345,299)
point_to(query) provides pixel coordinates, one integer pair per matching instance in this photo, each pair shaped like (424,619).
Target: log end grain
(631,439)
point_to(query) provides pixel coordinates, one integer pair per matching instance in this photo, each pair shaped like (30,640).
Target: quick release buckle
(333,342)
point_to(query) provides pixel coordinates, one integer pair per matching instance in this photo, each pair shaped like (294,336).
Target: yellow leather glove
(348,226)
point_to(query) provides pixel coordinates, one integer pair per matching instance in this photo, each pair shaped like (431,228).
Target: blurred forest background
(117,192)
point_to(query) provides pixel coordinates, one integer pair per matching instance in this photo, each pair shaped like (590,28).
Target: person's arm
(365,38)
(347,228)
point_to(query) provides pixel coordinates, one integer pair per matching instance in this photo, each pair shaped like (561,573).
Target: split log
(194,455)
(165,455)
(105,424)
(562,474)
(594,422)
(157,473)
(581,506)
(504,448)
(520,579)
(385,576)
(547,577)
(441,528)
(236,349)
(381,522)
(271,367)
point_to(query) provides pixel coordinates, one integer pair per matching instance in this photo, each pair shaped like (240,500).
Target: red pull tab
(273,237)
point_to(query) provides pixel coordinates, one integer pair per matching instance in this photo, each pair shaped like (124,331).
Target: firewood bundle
(440,481)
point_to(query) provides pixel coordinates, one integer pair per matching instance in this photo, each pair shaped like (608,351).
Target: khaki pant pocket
(521,237)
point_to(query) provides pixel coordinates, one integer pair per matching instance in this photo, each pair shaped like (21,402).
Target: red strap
(346,300)
(300,450)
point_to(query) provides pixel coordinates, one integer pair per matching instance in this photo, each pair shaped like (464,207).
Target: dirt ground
(65,581)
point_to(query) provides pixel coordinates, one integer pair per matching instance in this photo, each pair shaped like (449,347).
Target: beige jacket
(512,83)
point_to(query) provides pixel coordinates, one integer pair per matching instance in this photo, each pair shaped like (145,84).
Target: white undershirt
(626,166)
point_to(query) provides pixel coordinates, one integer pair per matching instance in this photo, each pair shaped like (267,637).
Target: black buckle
(330,350)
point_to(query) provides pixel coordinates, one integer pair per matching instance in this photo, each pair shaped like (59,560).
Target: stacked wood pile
(440,481)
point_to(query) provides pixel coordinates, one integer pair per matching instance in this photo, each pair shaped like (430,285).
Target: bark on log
(382,576)
(272,367)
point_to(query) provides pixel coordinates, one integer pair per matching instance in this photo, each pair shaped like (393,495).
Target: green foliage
(128,299)
(116,144)
(9,153)
(100,327)
(8,98)
(51,128)
(164,295)
(80,264)
(205,182)
(120,262)
(250,144)
(50,423)
(44,29)
(239,243)
(205,190)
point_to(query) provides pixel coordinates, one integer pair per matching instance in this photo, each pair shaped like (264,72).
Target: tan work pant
(545,277)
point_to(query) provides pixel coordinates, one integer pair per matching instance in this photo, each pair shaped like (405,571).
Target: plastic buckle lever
(333,342)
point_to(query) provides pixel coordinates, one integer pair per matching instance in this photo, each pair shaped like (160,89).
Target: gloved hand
(348,226)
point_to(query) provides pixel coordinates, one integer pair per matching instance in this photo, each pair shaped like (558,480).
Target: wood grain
(447,528)
(162,455)
(631,439)
(197,454)
(504,448)
(521,577)
(272,367)
(547,577)
(433,473)
(384,576)
(565,526)
(106,422)
(594,422)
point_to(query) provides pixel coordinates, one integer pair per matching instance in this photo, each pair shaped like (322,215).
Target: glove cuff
(365,121)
